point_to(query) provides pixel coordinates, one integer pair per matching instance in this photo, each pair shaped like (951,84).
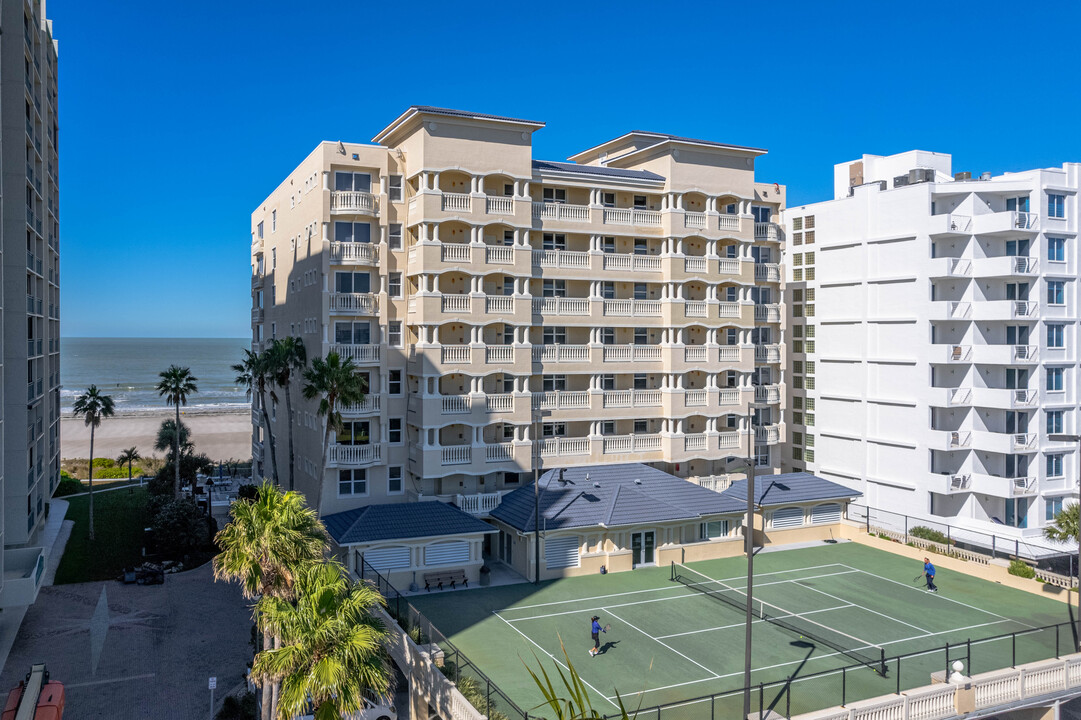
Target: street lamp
(748,462)
(1063,437)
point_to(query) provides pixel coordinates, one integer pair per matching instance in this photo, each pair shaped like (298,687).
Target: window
(394,188)
(714,529)
(731,251)
(761,214)
(549,430)
(511,478)
(1054,421)
(394,480)
(508,238)
(508,335)
(354,432)
(1019,204)
(554,242)
(731,294)
(641,336)
(395,236)
(394,333)
(273,260)
(273,221)
(1053,505)
(1056,292)
(1056,206)
(394,431)
(608,199)
(761,455)
(608,336)
(608,382)
(394,285)
(352,282)
(641,381)
(394,382)
(554,335)
(640,202)
(1056,336)
(608,244)
(641,426)
(608,290)
(353,181)
(508,383)
(1054,465)
(641,291)
(730,209)
(508,189)
(259,231)
(1054,379)
(641,246)
(554,288)
(352,482)
(352,231)
(608,427)
(558,195)
(1056,249)
(353,333)
(553,383)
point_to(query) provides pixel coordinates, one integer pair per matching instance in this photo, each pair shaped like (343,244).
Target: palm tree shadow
(610,645)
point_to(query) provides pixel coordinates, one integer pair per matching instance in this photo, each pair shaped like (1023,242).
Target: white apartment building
(934,340)
(620,307)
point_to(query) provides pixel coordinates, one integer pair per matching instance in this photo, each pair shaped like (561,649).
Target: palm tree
(336,383)
(93,406)
(166,439)
(331,650)
(175,385)
(129,457)
(1065,529)
(252,373)
(287,357)
(266,542)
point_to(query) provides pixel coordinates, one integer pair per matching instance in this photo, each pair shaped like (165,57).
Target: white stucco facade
(934,339)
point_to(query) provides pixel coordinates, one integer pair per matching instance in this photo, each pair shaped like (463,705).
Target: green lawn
(669,643)
(119,519)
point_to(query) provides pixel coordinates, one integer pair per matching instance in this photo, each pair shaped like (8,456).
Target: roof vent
(637,481)
(562,480)
(596,484)
(962,176)
(985,176)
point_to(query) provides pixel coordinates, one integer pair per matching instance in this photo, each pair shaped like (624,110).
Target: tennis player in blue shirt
(596,630)
(929,573)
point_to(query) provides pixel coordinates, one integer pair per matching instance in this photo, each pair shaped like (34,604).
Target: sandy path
(221,435)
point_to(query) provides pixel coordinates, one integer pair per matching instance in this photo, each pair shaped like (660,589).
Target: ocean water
(127,369)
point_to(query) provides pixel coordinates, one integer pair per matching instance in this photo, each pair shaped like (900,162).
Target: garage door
(387,558)
(787,517)
(826,514)
(561,552)
(447,553)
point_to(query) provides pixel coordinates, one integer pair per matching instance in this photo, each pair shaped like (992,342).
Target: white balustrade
(767,313)
(696,398)
(632,308)
(496,205)
(695,264)
(457,454)
(728,353)
(499,255)
(728,310)
(455,252)
(370,405)
(561,306)
(456,354)
(728,222)
(457,202)
(698,441)
(357,303)
(572,259)
(349,201)
(561,353)
(482,503)
(767,272)
(456,404)
(499,354)
(503,402)
(560,211)
(728,440)
(560,446)
(728,266)
(695,353)
(694,220)
(631,353)
(729,396)
(499,452)
(499,304)
(357,353)
(767,231)
(456,303)
(349,253)
(631,443)
(695,308)
(352,455)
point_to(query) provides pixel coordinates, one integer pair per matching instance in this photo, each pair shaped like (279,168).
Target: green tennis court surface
(670,642)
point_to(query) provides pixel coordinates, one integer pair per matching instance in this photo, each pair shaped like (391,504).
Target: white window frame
(395,192)
(394,333)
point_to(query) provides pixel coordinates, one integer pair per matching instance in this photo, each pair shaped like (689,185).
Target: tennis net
(871,655)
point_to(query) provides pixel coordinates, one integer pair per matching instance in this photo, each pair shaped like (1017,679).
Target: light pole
(1063,437)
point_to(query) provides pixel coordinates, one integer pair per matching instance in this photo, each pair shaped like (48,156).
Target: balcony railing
(371,404)
(728,222)
(561,258)
(496,205)
(768,434)
(632,308)
(455,252)
(561,306)
(767,353)
(457,202)
(354,455)
(695,264)
(958,483)
(349,253)
(457,455)
(455,354)
(499,255)
(561,353)
(631,262)
(561,400)
(767,231)
(614,444)
(631,353)
(767,394)
(630,216)
(694,220)
(632,398)
(560,211)
(355,303)
(767,272)
(357,353)
(560,446)
(767,313)
(352,201)
(456,303)
(257,315)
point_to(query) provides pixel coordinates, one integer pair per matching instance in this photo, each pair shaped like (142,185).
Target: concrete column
(382,184)
(326,232)
(517,193)
(679,201)
(435,181)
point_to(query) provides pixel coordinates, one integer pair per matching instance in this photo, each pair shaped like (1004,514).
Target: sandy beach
(221,435)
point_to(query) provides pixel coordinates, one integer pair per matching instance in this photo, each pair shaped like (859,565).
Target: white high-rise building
(934,340)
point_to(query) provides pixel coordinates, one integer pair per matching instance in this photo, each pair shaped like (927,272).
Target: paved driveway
(126,651)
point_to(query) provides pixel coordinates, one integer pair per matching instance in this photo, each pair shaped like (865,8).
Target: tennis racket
(918,578)
(607,627)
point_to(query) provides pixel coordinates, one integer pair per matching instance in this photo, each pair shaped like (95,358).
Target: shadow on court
(610,645)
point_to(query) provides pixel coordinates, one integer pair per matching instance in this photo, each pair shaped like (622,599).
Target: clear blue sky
(178,118)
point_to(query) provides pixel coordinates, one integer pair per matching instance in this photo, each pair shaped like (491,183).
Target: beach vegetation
(129,457)
(180,528)
(175,386)
(337,383)
(286,360)
(265,545)
(68,486)
(92,406)
(166,439)
(253,373)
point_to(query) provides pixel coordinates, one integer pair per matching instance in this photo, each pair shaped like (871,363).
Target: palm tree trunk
(90,482)
(176,456)
(276,687)
(270,440)
(323,469)
(265,687)
(289,418)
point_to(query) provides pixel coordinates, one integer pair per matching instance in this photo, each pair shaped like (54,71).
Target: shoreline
(222,433)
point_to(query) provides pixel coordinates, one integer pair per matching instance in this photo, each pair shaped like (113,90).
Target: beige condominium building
(620,307)
(29,160)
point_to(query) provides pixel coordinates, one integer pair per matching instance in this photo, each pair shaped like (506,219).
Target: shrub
(115,473)
(242,708)
(247,491)
(926,533)
(472,690)
(103,462)
(1021,569)
(180,527)
(67,486)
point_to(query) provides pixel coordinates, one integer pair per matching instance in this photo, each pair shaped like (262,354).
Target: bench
(451,577)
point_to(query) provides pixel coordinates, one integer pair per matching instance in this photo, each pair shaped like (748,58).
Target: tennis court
(816,610)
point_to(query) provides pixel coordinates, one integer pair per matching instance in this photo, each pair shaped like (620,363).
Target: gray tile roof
(468,114)
(788,488)
(677,138)
(401,521)
(619,499)
(597,170)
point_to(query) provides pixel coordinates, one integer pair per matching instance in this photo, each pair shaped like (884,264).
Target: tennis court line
(663,599)
(861,607)
(635,592)
(740,624)
(822,657)
(556,660)
(663,644)
(944,597)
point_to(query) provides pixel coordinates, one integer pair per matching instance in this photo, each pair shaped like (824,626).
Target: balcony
(256,315)
(1005,266)
(353,202)
(767,353)
(560,211)
(954,439)
(456,202)
(477,504)
(1004,309)
(950,484)
(767,434)
(1009,222)
(23,570)
(950,310)
(728,222)
(1004,487)
(370,406)
(950,225)
(561,306)
(631,216)
(630,353)
(358,303)
(496,205)
(950,267)
(768,231)
(951,353)
(695,220)
(769,394)
(354,253)
(767,272)
(354,456)
(631,444)
(632,308)
(1004,398)
(1005,354)
(1004,443)
(359,354)
(257,281)
(770,313)
(633,263)
(571,259)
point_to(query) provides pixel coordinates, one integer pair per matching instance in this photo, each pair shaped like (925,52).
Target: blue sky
(177,119)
